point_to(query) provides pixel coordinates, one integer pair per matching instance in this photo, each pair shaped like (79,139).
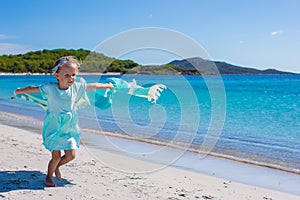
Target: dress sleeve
(80,90)
(44,91)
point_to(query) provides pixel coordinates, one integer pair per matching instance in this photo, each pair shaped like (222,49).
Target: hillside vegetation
(42,62)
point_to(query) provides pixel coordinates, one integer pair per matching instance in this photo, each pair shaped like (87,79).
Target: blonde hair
(64,60)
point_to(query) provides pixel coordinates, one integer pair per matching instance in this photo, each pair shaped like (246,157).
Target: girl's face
(66,76)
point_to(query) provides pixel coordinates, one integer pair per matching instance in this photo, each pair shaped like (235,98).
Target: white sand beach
(23,170)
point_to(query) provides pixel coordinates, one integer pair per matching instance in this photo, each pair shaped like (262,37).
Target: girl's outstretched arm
(99,86)
(28,90)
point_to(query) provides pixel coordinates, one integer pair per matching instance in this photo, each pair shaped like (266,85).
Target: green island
(92,62)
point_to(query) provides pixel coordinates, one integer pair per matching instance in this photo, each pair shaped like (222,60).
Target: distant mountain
(198,65)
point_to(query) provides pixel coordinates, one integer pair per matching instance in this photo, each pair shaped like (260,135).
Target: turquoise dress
(61,130)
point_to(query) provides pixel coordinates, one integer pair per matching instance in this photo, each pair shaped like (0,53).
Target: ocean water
(249,118)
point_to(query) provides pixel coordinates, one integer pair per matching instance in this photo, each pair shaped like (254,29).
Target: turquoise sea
(249,118)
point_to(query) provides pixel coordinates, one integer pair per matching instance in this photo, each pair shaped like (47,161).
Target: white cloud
(3,36)
(10,48)
(279,32)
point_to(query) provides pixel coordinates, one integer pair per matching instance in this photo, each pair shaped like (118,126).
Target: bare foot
(49,182)
(58,174)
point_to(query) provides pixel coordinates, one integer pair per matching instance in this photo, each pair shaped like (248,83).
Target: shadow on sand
(25,180)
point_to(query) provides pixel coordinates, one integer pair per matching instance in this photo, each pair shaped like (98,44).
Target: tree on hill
(121,66)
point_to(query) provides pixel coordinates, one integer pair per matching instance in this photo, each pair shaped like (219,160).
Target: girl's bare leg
(69,155)
(56,157)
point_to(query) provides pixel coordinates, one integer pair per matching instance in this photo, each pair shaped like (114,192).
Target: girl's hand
(17,91)
(110,86)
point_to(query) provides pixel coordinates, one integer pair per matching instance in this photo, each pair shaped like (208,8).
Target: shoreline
(37,123)
(192,150)
(240,174)
(88,178)
(118,74)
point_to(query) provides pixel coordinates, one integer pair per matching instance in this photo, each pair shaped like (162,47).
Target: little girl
(61,130)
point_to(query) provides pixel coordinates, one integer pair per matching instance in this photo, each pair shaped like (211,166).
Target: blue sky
(251,33)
